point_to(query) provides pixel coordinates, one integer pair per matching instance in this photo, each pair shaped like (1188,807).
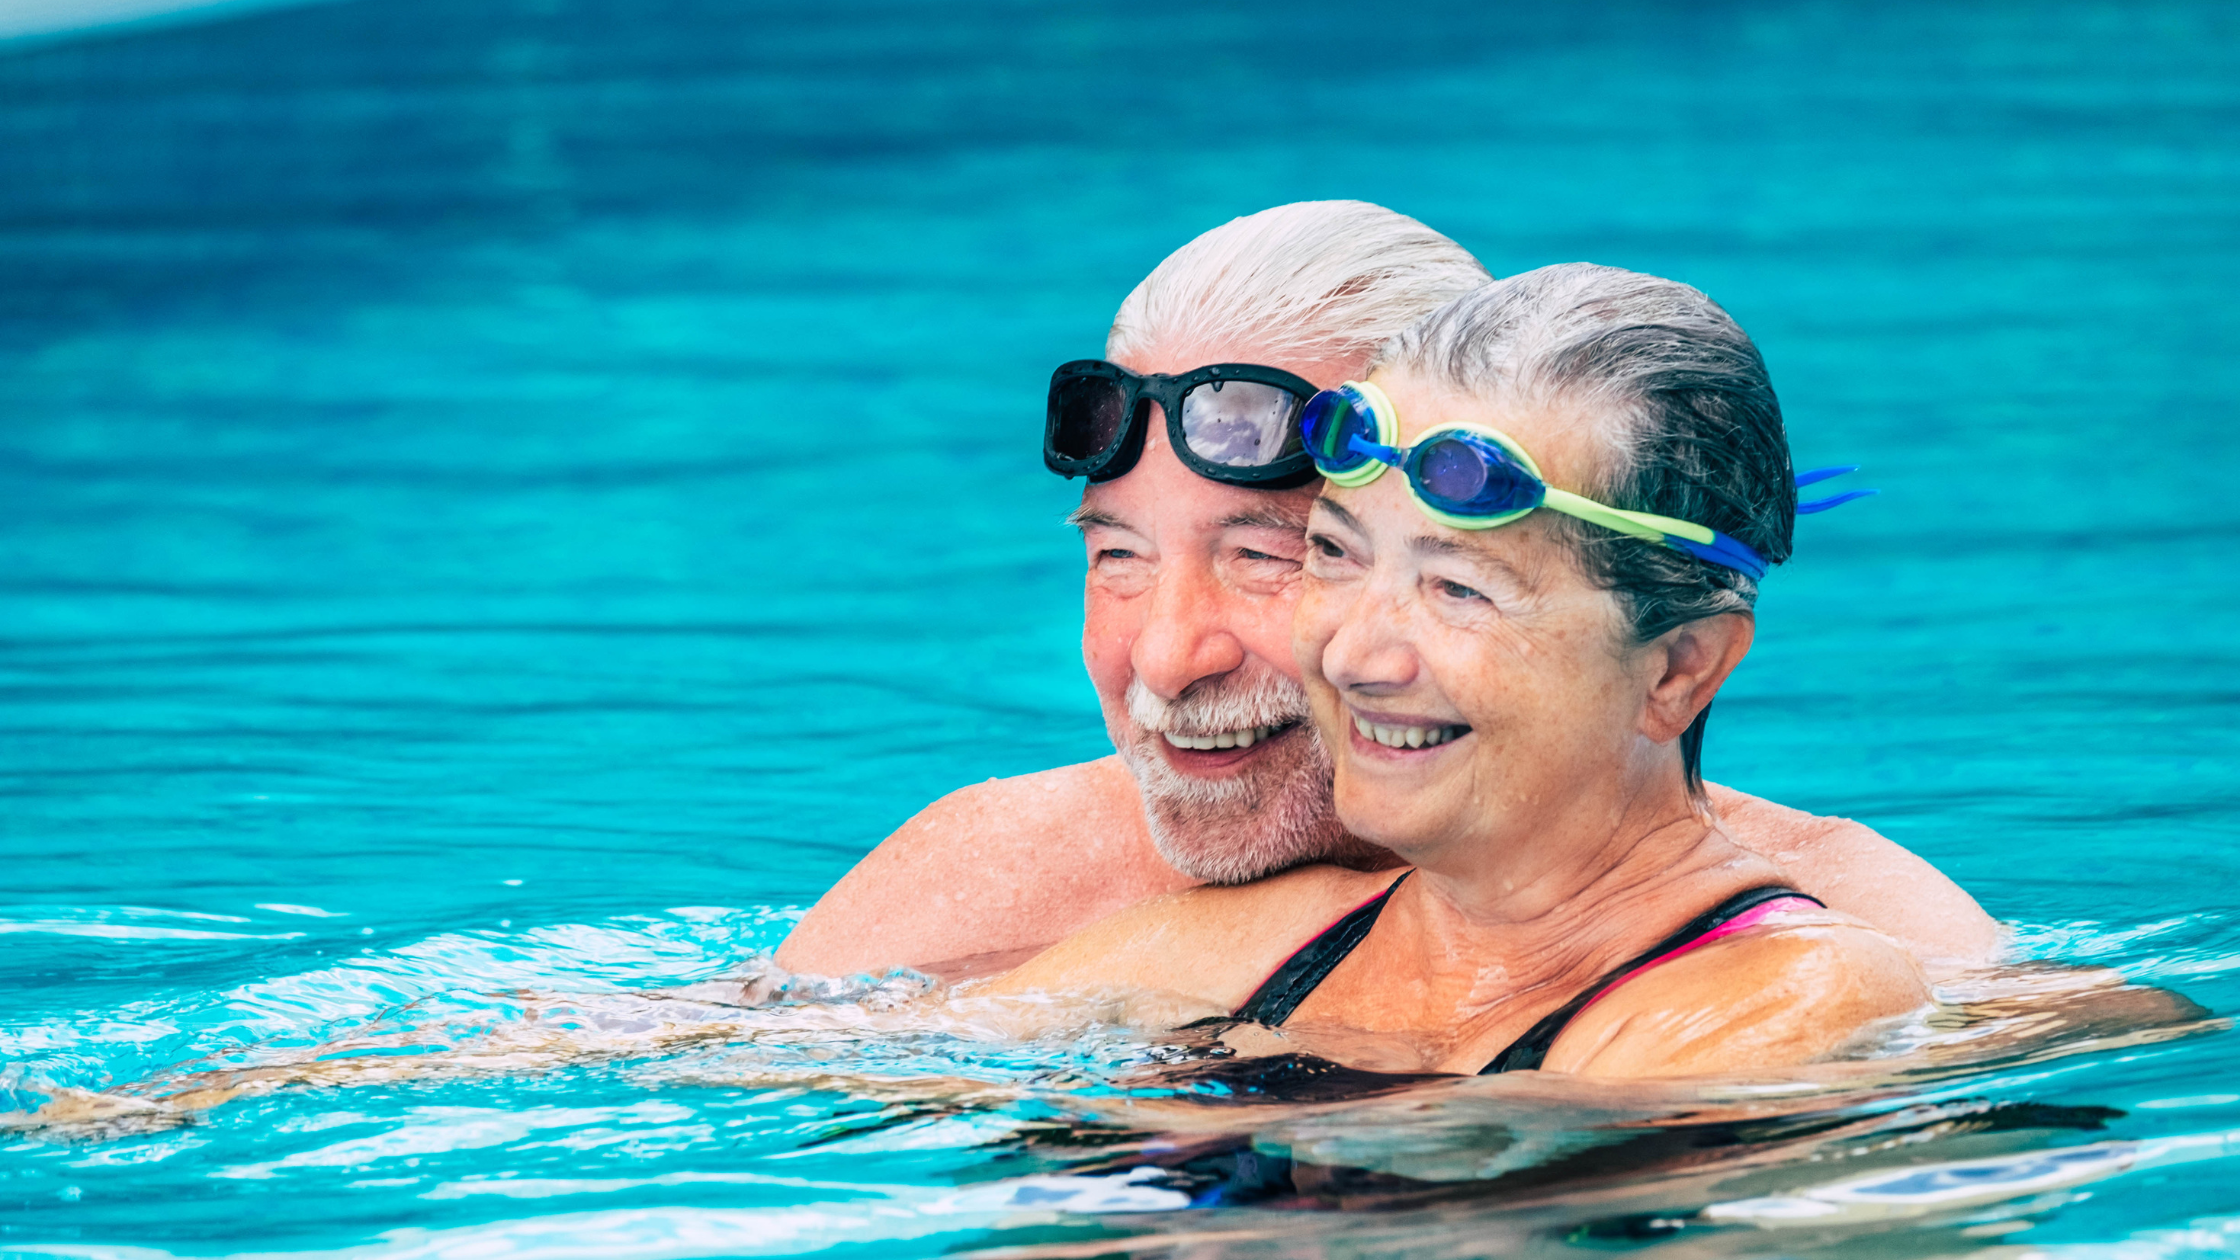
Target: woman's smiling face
(1472,685)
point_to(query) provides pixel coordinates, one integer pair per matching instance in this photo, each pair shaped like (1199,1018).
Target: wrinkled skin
(1540,796)
(1190,590)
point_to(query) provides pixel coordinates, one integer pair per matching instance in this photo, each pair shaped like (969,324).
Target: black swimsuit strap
(1281,993)
(1530,1050)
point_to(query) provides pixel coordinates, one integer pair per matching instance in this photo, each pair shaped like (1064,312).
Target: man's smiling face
(1187,636)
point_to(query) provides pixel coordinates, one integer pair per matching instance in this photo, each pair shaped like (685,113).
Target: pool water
(502,502)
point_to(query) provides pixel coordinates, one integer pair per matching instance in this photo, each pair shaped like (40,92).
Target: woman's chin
(1398,822)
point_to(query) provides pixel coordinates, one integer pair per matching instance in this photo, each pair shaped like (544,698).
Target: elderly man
(1193,566)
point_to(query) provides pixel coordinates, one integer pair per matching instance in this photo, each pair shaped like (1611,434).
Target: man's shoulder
(1094,799)
(1776,830)
(1861,872)
(1002,865)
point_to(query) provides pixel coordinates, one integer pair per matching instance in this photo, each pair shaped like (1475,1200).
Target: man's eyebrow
(1265,518)
(1083,517)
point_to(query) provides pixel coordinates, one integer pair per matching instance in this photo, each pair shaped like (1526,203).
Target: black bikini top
(1282,992)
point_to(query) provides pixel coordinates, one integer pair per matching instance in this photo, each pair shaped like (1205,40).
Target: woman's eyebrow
(1433,545)
(1345,518)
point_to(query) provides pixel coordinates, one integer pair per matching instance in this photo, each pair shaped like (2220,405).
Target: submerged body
(1429,990)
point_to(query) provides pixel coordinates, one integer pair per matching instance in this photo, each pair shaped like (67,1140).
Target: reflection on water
(1066,1129)
(502,502)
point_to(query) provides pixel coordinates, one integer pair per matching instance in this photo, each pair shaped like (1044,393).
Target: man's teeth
(1226,739)
(1407,736)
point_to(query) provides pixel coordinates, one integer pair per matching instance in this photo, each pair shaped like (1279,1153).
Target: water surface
(521,494)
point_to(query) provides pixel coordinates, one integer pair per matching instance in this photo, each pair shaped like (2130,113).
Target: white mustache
(1269,699)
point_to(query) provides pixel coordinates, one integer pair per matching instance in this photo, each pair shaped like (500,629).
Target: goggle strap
(1646,526)
(1697,540)
(1833,500)
(1822,474)
(1723,551)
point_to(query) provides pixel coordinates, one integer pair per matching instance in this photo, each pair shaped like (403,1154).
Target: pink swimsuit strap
(1743,922)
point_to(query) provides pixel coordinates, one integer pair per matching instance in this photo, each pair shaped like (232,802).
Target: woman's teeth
(1226,739)
(1407,736)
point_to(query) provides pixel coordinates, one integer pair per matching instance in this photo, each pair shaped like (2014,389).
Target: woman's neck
(1511,926)
(1528,864)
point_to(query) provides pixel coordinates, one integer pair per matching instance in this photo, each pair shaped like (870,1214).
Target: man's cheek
(1270,637)
(1106,641)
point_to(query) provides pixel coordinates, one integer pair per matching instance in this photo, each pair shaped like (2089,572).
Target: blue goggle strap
(1833,500)
(1722,550)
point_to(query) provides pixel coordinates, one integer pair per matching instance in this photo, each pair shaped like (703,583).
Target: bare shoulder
(1215,944)
(1003,865)
(1861,872)
(1788,992)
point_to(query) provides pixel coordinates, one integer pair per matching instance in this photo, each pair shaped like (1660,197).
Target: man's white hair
(1313,281)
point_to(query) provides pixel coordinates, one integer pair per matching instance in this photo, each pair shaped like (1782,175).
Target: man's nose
(1186,636)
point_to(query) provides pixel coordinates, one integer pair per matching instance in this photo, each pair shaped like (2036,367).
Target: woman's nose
(1372,652)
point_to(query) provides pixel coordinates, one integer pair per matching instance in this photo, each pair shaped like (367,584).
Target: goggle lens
(1469,476)
(1330,423)
(1086,413)
(1241,424)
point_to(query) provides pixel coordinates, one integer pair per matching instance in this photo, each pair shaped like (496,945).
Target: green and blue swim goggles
(1472,477)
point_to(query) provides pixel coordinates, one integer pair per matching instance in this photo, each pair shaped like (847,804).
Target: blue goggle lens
(1329,424)
(1467,476)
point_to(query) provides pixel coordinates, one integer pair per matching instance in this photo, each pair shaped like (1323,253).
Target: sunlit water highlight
(500,503)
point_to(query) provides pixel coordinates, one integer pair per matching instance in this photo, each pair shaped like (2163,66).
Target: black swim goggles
(1236,423)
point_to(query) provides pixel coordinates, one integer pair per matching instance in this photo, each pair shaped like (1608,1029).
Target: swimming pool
(516,497)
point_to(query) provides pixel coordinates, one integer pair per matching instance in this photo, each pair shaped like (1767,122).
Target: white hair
(1311,281)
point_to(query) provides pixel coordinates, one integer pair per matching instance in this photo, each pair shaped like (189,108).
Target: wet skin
(1542,802)
(1188,580)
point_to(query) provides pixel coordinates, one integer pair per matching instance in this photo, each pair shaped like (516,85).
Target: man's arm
(1860,873)
(1002,866)
(1212,944)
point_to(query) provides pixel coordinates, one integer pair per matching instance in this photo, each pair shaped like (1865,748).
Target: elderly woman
(1512,656)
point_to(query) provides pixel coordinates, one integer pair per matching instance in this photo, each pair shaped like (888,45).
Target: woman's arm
(1776,996)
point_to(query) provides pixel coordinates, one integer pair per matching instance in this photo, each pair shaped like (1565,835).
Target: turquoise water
(430,579)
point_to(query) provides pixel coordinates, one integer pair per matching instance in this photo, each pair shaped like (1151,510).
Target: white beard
(1274,815)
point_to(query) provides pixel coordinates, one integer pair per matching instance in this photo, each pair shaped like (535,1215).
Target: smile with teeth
(1245,738)
(1408,736)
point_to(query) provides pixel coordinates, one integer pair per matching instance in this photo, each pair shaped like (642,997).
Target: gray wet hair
(1311,281)
(1679,402)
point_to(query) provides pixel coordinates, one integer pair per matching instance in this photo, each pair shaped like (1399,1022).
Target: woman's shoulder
(1791,990)
(1212,942)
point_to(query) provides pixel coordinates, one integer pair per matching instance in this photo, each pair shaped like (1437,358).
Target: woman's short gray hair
(1310,281)
(1681,406)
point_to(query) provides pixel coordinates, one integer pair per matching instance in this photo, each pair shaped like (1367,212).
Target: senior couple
(1408,595)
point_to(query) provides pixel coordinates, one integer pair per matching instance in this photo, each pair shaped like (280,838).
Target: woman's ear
(1690,662)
